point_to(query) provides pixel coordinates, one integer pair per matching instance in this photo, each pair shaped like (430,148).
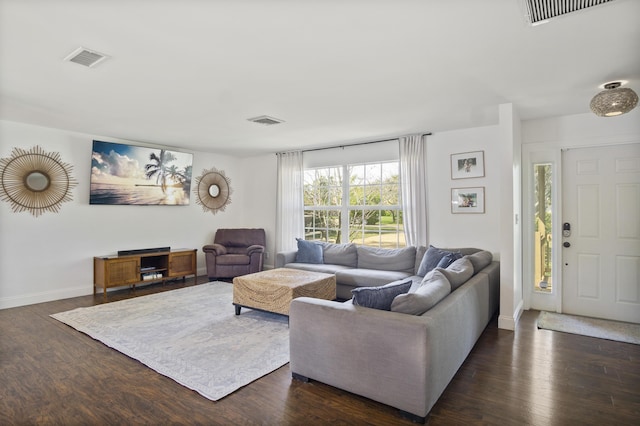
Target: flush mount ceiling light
(614,100)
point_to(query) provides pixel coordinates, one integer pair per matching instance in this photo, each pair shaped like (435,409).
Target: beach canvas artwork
(130,174)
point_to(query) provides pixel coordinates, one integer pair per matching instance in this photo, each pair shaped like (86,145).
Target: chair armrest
(255,248)
(285,257)
(215,249)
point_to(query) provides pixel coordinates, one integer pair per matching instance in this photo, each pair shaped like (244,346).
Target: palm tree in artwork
(186,184)
(175,175)
(158,167)
(182,177)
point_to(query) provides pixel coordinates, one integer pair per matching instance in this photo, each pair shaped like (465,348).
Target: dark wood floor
(52,374)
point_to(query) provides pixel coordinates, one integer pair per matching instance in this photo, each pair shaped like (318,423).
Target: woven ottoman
(273,290)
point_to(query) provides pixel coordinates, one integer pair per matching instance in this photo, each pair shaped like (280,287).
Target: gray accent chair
(235,252)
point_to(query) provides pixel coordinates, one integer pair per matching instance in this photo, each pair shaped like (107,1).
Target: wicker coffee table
(273,290)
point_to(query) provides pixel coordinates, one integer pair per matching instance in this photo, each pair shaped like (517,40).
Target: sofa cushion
(480,260)
(433,289)
(379,297)
(430,260)
(357,277)
(401,259)
(458,272)
(309,252)
(317,267)
(340,254)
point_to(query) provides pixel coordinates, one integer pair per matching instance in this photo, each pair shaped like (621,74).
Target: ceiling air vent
(88,58)
(266,120)
(540,11)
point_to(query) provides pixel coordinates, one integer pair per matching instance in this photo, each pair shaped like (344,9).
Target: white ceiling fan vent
(88,58)
(266,120)
(540,11)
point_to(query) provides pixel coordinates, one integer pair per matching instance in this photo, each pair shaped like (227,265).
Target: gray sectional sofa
(403,356)
(357,266)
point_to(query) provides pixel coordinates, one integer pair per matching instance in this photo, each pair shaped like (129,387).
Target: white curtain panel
(290,203)
(413,178)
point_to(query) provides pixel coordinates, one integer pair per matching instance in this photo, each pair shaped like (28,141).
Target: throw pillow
(308,252)
(430,260)
(433,289)
(379,297)
(448,259)
(458,272)
(480,259)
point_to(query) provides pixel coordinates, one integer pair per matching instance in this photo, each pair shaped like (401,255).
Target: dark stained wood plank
(52,374)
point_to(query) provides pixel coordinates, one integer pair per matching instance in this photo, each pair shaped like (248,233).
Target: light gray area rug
(191,335)
(592,327)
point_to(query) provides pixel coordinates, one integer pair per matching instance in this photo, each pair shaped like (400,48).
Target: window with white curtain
(358,203)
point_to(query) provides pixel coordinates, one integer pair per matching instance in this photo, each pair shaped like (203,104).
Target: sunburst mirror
(213,190)
(35,181)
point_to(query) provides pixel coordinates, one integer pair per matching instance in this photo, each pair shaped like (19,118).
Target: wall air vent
(88,58)
(540,11)
(266,120)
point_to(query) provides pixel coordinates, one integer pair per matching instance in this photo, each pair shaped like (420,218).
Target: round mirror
(214,190)
(37,181)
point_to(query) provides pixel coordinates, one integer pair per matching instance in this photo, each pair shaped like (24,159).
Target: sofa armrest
(381,355)
(215,249)
(284,257)
(255,248)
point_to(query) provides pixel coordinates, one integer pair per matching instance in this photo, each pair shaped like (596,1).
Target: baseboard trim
(45,296)
(506,322)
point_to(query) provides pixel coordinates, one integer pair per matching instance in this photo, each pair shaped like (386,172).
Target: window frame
(345,209)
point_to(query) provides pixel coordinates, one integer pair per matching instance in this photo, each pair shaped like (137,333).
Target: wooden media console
(132,269)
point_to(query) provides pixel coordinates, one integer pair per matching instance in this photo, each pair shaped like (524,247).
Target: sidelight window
(542,227)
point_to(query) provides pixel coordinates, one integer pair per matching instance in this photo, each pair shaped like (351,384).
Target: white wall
(511,218)
(463,230)
(51,257)
(582,130)
(258,203)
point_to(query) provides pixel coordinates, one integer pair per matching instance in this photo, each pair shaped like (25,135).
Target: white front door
(601,204)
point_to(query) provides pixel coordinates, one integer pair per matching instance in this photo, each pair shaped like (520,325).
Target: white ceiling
(190,73)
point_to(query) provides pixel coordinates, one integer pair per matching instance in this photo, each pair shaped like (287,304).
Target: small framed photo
(467,165)
(467,200)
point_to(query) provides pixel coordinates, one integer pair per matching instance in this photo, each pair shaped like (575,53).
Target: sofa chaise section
(405,361)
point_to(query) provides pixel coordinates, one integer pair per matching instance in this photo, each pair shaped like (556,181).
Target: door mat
(592,327)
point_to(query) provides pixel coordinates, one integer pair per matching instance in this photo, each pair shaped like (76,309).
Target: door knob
(566,244)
